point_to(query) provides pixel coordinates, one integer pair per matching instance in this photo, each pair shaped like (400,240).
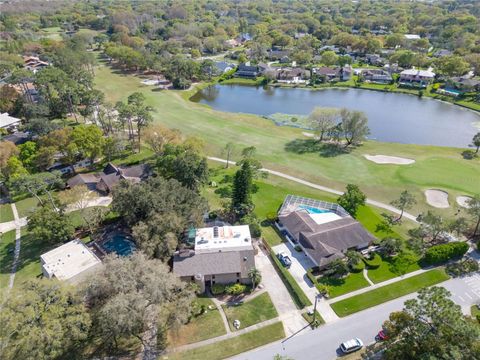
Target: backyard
(7,247)
(251,312)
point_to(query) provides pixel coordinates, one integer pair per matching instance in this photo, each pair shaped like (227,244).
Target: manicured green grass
(270,234)
(434,166)
(251,312)
(351,282)
(309,318)
(29,266)
(230,347)
(7,248)
(388,292)
(26,206)
(383,269)
(6,213)
(201,327)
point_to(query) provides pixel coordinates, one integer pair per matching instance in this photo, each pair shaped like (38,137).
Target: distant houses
(8,122)
(221,255)
(34,64)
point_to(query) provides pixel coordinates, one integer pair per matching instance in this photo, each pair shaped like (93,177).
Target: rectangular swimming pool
(312,210)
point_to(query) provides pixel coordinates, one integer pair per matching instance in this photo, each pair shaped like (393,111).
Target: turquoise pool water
(119,244)
(313,210)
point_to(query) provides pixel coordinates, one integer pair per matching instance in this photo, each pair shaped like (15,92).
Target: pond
(392,117)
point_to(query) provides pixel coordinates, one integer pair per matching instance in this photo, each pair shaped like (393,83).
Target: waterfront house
(247,71)
(221,255)
(327,73)
(377,76)
(292,75)
(416,78)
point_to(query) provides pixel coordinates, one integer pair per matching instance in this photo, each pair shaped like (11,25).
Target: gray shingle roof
(226,262)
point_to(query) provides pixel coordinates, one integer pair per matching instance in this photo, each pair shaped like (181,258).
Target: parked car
(351,345)
(284,259)
(381,336)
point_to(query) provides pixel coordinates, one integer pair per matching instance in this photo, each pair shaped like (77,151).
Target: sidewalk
(378,285)
(18,236)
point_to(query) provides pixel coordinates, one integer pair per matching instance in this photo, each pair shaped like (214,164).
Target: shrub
(336,268)
(218,289)
(323,289)
(442,253)
(311,277)
(462,267)
(298,248)
(236,289)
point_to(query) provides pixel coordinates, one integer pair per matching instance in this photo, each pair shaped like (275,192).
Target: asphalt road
(322,343)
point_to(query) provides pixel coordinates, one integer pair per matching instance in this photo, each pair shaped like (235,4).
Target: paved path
(375,286)
(365,275)
(18,235)
(324,188)
(218,304)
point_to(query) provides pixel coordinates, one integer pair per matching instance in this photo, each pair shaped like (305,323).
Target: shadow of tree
(303,146)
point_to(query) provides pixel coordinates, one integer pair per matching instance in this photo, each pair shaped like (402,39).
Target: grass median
(388,292)
(230,347)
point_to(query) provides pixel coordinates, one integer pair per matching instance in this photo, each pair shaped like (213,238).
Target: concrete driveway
(287,311)
(300,264)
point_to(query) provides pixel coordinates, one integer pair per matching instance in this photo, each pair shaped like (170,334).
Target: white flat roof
(7,120)
(324,218)
(224,238)
(68,260)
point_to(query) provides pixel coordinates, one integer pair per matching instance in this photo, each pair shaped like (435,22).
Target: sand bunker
(462,201)
(384,159)
(307,134)
(437,198)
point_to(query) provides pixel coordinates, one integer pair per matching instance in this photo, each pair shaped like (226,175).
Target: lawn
(383,269)
(251,312)
(230,347)
(309,318)
(434,166)
(6,213)
(29,266)
(271,236)
(7,247)
(25,206)
(352,282)
(201,327)
(388,292)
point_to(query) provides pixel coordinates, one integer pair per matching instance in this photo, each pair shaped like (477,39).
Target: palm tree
(255,275)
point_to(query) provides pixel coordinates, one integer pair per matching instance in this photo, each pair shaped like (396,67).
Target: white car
(351,345)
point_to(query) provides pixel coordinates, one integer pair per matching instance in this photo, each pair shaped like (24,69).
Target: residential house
(9,122)
(111,175)
(18,137)
(71,262)
(374,59)
(377,76)
(327,73)
(247,71)
(222,67)
(279,55)
(67,169)
(33,63)
(416,78)
(221,255)
(29,91)
(232,42)
(462,84)
(324,231)
(292,75)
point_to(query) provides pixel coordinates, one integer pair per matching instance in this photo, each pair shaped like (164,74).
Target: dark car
(284,259)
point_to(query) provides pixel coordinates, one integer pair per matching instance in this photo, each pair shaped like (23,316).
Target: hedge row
(298,296)
(438,254)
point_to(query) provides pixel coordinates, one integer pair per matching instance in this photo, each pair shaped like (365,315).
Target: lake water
(391,117)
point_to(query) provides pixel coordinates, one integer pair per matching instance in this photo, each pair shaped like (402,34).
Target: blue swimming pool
(313,210)
(119,244)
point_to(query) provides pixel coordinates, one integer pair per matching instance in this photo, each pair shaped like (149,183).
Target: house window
(238,275)
(193,278)
(213,276)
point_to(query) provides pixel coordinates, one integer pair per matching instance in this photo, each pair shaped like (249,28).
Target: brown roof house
(221,254)
(325,231)
(110,176)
